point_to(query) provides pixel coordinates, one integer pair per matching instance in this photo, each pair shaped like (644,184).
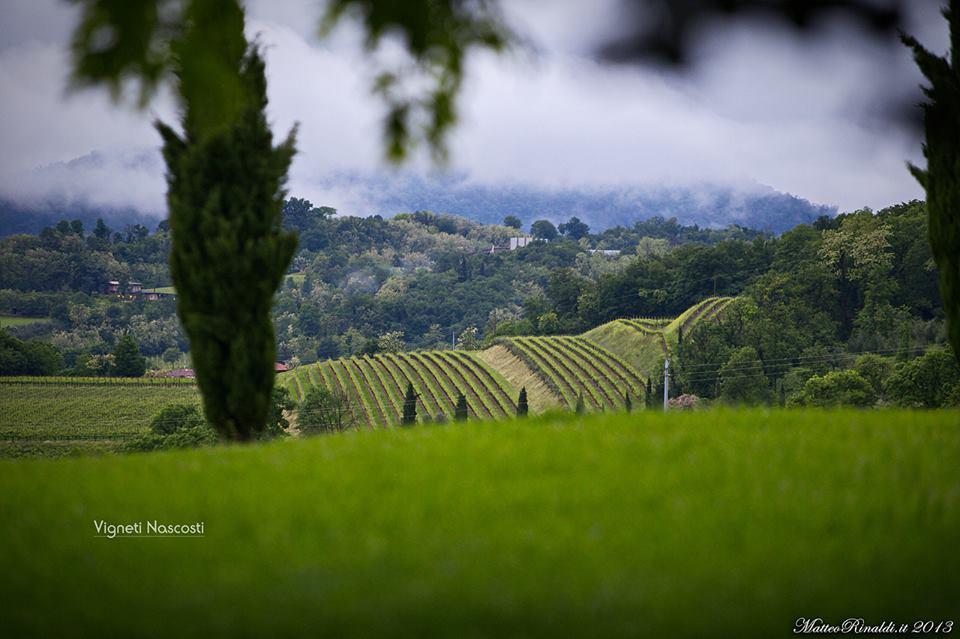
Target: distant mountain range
(707,205)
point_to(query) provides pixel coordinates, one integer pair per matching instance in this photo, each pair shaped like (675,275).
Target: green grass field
(708,524)
(57,418)
(8,321)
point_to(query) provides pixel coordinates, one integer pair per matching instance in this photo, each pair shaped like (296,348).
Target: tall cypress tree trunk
(229,252)
(941,179)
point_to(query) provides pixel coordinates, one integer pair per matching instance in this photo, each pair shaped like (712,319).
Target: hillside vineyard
(607,367)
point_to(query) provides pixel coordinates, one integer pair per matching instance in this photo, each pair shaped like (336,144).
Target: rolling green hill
(644,343)
(605,365)
(376,384)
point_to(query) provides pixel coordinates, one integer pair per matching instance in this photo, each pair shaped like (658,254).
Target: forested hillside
(362,287)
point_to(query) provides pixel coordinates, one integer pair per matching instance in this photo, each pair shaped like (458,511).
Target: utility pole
(666,385)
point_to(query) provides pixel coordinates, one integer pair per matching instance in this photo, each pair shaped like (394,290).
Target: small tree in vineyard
(127,360)
(460,412)
(522,407)
(410,406)
(325,411)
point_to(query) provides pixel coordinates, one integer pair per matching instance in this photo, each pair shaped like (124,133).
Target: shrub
(176,417)
(684,402)
(175,426)
(836,388)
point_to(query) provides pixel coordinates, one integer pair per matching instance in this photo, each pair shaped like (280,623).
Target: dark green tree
(648,395)
(128,362)
(574,229)
(742,380)
(941,179)
(280,404)
(325,411)
(229,253)
(628,403)
(580,407)
(410,406)
(101,230)
(176,426)
(925,382)
(460,411)
(543,230)
(836,388)
(513,222)
(522,407)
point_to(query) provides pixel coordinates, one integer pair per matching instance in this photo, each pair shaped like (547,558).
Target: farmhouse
(134,290)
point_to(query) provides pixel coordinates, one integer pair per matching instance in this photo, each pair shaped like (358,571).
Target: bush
(684,402)
(176,426)
(174,418)
(836,388)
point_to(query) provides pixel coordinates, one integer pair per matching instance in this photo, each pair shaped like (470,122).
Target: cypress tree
(229,252)
(522,407)
(580,405)
(941,179)
(409,406)
(460,412)
(128,362)
(648,400)
(627,403)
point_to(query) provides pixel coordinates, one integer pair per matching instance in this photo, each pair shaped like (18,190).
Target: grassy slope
(66,418)
(516,373)
(644,351)
(641,351)
(705,524)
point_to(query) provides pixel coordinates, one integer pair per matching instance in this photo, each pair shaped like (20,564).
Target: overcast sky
(760,105)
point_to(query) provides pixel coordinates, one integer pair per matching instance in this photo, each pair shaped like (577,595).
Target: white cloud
(760,106)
